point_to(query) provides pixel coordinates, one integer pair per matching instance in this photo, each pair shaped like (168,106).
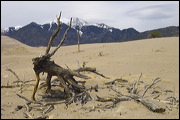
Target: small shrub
(154,34)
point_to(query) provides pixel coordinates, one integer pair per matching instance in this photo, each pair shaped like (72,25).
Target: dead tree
(79,39)
(44,64)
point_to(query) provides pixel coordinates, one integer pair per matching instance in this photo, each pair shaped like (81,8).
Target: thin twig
(113,82)
(27,107)
(36,102)
(78,66)
(169,108)
(29,115)
(119,93)
(157,96)
(50,107)
(149,86)
(137,82)
(135,85)
(10,70)
(101,75)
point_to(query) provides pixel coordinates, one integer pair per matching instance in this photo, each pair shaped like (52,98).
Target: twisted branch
(54,35)
(149,86)
(62,40)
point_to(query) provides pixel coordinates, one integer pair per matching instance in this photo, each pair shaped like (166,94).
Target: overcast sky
(141,15)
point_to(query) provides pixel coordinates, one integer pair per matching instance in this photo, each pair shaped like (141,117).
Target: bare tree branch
(62,40)
(116,80)
(54,35)
(149,86)
(10,70)
(36,102)
(135,85)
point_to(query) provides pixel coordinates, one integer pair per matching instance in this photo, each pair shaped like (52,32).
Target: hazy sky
(141,15)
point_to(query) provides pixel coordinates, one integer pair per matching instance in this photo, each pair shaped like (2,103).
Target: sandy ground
(153,58)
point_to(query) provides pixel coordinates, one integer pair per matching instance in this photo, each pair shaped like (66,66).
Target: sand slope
(153,57)
(10,46)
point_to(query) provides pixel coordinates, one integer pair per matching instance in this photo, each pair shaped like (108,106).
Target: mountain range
(35,34)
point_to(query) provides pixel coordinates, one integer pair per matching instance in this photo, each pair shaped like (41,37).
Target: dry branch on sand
(133,95)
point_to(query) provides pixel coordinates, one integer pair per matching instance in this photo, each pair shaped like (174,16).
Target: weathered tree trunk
(151,106)
(43,64)
(78,40)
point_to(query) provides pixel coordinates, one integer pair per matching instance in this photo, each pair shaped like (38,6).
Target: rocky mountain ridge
(35,34)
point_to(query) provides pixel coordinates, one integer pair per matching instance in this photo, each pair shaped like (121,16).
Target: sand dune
(7,42)
(10,46)
(154,58)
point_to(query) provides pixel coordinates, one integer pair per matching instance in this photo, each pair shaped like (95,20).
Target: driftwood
(134,96)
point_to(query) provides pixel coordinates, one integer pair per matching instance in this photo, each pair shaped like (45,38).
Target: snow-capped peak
(18,27)
(79,22)
(65,20)
(5,30)
(51,23)
(76,22)
(102,25)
